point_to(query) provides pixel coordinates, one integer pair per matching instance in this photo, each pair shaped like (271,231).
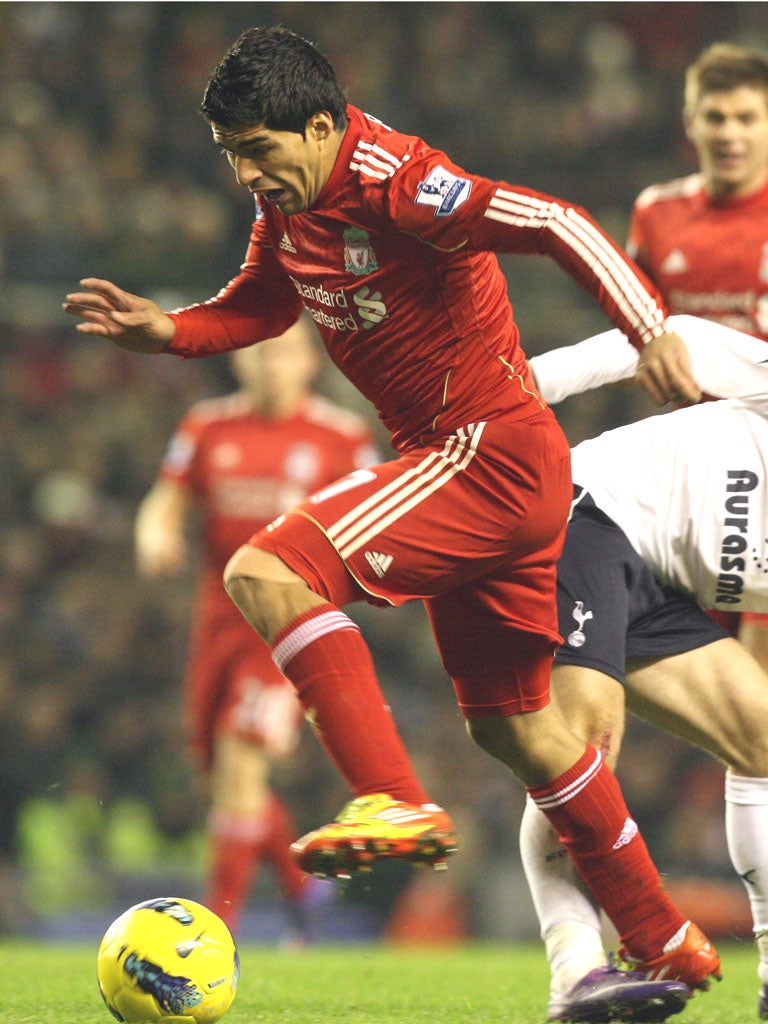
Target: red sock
(233,856)
(586,806)
(327,660)
(281,832)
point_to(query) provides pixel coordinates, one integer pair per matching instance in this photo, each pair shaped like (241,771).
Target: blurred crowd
(107,169)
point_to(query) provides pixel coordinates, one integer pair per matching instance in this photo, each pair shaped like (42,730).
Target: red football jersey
(395,263)
(707,256)
(245,470)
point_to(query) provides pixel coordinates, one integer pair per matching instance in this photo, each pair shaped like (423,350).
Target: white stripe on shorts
(386,506)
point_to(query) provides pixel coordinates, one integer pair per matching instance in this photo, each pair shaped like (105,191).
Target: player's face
(285,168)
(277,372)
(730,133)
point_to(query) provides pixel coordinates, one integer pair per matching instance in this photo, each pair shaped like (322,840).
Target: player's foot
(762,1003)
(689,956)
(371,828)
(609,994)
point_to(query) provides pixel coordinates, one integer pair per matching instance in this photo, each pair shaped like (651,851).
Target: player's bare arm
(160,541)
(664,371)
(130,321)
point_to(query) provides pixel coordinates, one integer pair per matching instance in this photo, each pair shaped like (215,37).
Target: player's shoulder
(380,151)
(321,412)
(218,408)
(676,190)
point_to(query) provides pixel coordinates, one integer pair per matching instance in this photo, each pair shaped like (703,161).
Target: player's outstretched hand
(130,321)
(664,371)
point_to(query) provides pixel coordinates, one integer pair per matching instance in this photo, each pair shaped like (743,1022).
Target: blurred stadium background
(107,169)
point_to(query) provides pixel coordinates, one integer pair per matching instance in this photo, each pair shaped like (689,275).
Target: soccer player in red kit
(703,239)
(391,246)
(234,464)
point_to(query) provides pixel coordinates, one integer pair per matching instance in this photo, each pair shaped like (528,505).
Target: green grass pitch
(471,984)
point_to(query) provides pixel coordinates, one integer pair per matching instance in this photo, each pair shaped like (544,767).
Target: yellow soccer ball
(168,960)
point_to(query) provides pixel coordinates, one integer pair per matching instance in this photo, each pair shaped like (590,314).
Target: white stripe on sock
(307,632)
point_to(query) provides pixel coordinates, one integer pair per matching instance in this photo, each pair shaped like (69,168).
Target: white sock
(746,829)
(762,948)
(568,916)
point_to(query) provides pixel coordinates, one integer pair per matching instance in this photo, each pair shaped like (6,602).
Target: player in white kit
(669,517)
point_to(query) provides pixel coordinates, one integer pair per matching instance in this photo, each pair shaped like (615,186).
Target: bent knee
(254,564)
(477,729)
(592,704)
(493,735)
(268,593)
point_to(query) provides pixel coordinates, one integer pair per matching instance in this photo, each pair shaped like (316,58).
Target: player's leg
(585,805)
(237,823)
(753,633)
(320,649)
(716,697)
(593,705)
(236,787)
(257,721)
(609,603)
(391,533)
(250,824)
(593,613)
(501,675)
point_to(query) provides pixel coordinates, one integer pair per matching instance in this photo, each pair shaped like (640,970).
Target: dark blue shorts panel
(610,605)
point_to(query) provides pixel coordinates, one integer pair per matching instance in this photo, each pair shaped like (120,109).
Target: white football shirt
(689,491)
(689,487)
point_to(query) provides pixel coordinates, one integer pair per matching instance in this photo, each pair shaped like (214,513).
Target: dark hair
(273,78)
(723,67)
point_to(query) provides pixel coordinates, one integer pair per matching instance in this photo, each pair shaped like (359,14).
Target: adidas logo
(674,263)
(378,562)
(627,834)
(286,243)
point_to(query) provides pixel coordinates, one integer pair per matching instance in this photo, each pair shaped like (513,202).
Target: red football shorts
(232,684)
(472,525)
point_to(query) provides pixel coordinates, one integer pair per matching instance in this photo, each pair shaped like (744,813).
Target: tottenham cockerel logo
(577,637)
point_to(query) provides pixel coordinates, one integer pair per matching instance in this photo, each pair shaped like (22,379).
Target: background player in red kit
(234,464)
(703,239)
(390,246)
